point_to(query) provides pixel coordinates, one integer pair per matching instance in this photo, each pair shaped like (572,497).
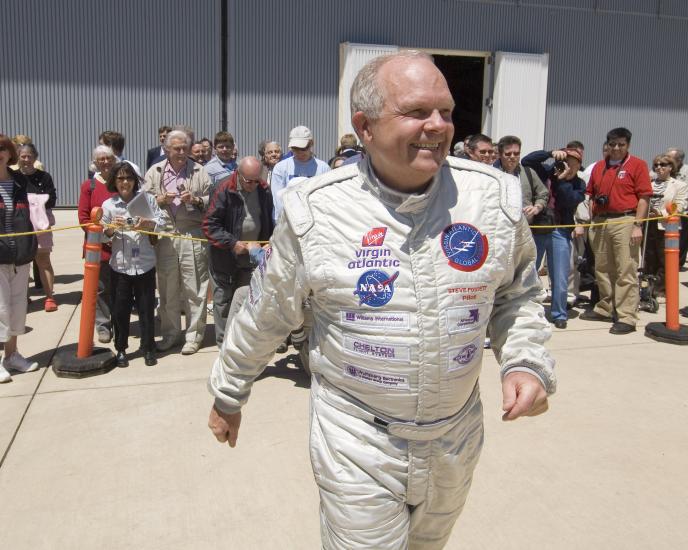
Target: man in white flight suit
(406,259)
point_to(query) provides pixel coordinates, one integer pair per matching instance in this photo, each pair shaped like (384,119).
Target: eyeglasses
(512,154)
(617,144)
(248,181)
(661,165)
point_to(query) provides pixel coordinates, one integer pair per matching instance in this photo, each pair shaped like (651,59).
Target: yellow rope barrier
(177,236)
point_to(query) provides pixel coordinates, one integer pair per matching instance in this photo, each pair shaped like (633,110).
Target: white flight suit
(402,289)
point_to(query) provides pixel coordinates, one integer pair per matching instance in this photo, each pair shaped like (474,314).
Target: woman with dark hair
(16,255)
(40,182)
(666,190)
(132,263)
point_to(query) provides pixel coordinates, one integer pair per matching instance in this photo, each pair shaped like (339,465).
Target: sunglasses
(617,145)
(512,154)
(3,148)
(248,181)
(661,165)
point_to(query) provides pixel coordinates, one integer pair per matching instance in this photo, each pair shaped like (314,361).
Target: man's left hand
(636,235)
(522,395)
(186,197)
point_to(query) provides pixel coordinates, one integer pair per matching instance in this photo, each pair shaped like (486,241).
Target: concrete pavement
(125,460)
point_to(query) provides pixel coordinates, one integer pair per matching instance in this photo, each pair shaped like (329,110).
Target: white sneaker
(4,375)
(18,363)
(190,348)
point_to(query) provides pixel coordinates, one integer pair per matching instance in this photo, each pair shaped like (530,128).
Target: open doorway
(465,75)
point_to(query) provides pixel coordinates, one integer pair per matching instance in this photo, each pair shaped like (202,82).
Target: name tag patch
(255,291)
(464,356)
(375,378)
(466,318)
(377,350)
(388,320)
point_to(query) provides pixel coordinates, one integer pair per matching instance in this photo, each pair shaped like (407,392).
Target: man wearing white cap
(302,165)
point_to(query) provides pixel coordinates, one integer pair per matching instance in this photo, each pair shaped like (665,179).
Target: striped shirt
(7,191)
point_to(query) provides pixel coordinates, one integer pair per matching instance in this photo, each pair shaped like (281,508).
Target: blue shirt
(288,169)
(219,170)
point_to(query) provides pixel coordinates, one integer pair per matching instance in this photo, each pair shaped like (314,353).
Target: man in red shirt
(620,190)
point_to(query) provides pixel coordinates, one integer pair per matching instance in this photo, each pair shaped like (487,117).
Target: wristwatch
(638,224)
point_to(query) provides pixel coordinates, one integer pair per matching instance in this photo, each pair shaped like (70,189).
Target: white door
(520,98)
(352,58)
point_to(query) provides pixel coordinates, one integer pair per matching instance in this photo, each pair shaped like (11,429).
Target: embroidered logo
(377,321)
(466,318)
(464,246)
(375,378)
(374,237)
(466,354)
(375,288)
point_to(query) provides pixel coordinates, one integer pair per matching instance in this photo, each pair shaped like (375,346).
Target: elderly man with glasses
(239,214)
(302,164)
(180,186)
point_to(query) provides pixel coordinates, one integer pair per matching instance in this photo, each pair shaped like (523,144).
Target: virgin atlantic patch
(464,246)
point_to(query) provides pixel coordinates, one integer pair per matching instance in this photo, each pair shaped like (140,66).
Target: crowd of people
(202,191)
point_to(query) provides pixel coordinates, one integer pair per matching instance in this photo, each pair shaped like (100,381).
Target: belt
(399,428)
(616,214)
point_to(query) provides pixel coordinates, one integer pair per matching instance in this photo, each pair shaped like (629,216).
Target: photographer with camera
(559,169)
(620,191)
(132,263)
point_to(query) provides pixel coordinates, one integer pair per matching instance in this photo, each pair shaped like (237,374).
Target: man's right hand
(240,248)
(225,427)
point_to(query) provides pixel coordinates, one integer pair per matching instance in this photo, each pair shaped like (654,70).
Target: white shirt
(132,252)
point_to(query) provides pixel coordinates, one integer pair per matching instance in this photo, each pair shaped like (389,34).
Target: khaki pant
(616,269)
(182,267)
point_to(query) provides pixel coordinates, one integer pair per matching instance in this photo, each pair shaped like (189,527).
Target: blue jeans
(557,246)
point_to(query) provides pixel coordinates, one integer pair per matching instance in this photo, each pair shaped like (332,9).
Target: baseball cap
(299,137)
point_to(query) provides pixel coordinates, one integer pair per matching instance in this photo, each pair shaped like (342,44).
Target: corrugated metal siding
(84,66)
(284,61)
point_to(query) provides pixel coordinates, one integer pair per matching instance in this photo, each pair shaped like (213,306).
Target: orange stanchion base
(660,332)
(67,365)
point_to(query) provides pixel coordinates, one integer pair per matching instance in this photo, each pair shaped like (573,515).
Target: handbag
(546,217)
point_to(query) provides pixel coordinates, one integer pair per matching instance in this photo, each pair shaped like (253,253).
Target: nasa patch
(375,288)
(464,246)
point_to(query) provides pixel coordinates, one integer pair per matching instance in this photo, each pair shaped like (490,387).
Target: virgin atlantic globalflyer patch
(464,246)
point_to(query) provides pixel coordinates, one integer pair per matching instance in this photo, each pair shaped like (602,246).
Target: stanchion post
(92,249)
(671,246)
(671,331)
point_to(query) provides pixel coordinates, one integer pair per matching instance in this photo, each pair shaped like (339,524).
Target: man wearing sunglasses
(480,149)
(302,164)
(240,213)
(620,191)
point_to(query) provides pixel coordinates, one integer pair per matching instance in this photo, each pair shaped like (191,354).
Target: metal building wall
(604,61)
(83,66)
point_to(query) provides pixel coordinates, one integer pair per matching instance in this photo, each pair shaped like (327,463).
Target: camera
(602,200)
(560,166)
